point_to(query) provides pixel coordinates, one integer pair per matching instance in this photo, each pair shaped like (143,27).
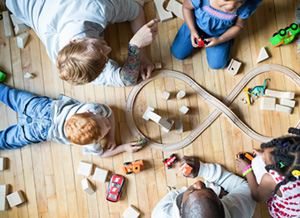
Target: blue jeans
(34,119)
(217,56)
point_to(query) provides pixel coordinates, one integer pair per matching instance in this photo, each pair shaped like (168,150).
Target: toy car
(169,161)
(2,76)
(114,190)
(136,166)
(200,42)
(141,142)
(285,36)
(242,155)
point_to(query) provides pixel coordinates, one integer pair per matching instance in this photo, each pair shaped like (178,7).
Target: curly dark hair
(286,155)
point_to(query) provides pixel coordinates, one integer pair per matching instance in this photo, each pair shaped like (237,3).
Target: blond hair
(80,62)
(82,129)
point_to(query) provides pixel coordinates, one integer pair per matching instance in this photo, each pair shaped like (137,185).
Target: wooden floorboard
(47,172)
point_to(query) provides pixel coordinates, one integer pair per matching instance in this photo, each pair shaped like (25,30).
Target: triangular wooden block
(263,55)
(22,39)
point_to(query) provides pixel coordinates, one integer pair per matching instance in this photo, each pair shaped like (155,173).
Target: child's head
(86,128)
(283,155)
(230,6)
(82,60)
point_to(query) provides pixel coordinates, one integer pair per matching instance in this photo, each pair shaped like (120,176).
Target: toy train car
(285,36)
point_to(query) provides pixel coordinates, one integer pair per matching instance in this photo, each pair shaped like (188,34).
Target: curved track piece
(221,107)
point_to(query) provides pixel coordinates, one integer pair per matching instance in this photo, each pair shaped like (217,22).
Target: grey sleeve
(125,10)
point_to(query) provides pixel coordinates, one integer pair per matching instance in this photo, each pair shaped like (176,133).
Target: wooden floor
(47,172)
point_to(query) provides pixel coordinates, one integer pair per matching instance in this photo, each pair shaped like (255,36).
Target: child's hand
(193,162)
(111,144)
(194,36)
(212,42)
(131,148)
(241,164)
(256,153)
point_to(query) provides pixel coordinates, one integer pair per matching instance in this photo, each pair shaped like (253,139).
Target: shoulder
(248,8)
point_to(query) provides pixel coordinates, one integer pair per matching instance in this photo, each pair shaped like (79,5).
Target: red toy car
(169,161)
(114,190)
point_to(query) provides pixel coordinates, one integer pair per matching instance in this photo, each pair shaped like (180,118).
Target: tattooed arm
(130,71)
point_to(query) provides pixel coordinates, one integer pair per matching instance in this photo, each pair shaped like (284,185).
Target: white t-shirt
(57,22)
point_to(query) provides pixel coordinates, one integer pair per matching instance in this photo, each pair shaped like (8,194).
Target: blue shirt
(214,22)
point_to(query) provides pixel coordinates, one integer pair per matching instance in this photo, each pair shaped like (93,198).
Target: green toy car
(285,36)
(2,76)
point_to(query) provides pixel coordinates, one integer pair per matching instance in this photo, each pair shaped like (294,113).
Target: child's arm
(231,33)
(188,14)
(262,192)
(129,147)
(111,142)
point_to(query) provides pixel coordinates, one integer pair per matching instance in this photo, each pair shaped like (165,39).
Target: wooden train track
(221,107)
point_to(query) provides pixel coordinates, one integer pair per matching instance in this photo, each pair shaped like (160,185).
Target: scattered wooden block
(20,28)
(153,116)
(179,126)
(279,94)
(15,20)
(131,212)
(233,67)
(166,95)
(87,186)
(158,66)
(3,163)
(22,39)
(283,109)
(3,193)
(263,55)
(184,109)
(15,198)
(145,115)
(286,102)
(162,13)
(185,169)
(165,124)
(100,175)
(176,8)
(180,94)
(267,104)
(85,169)
(8,29)
(29,76)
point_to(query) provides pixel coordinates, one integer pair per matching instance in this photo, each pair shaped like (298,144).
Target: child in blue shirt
(216,21)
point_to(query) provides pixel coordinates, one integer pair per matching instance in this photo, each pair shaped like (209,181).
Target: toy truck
(246,155)
(2,76)
(136,166)
(285,36)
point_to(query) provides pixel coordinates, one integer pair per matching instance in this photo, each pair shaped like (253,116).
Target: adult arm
(129,147)
(231,33)
(188,15)
(111,143)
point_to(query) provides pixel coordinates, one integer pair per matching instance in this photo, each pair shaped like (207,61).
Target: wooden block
(153,116)
(29,76)
(3,193)
(158,66)
(15,20)
(279,94)
(85,169)
(167,130)
(263,55)
(131,212)
(283,109)
(180,94)
(22,39)
(15,198)
(3,163)
(267,104)
(176,8)
(179,126)
(185,169)
(19,28)
(8,29)
(162,13)
(87,186)
(165,124)
(166,95)
(286,102)
(184,109)
(100,175)
(233,67)
(145,115)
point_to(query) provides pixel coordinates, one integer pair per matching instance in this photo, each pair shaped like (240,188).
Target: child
(215,21)
(275,175)
(65,121)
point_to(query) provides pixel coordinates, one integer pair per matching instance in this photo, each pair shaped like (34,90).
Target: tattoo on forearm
(130,71)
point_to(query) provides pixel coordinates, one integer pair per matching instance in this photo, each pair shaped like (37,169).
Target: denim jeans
(217,56)
(34,119)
